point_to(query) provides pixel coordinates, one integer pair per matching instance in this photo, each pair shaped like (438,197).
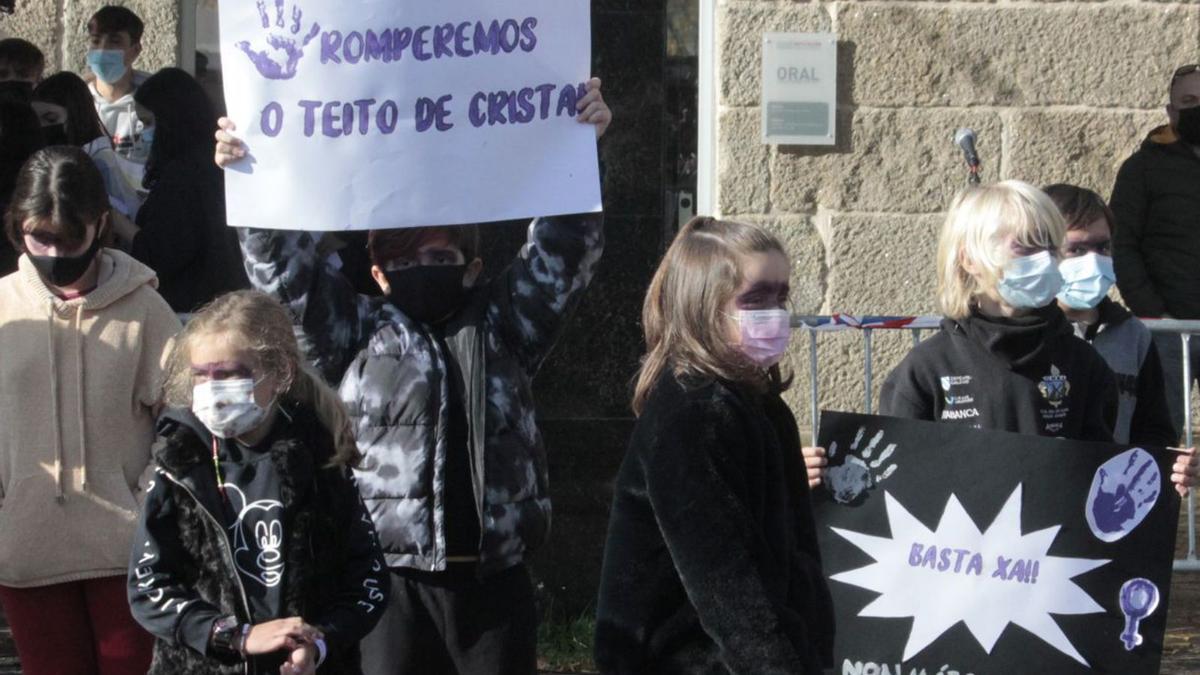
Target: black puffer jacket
(1156,245)
(711,563)
(182,573)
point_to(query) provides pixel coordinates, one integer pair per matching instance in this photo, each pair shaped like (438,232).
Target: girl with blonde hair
(711,562)
(1006,357)
(254,549)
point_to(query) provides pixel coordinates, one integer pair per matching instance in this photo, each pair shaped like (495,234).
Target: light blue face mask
(1086,280)
(1030,281)
(107,64)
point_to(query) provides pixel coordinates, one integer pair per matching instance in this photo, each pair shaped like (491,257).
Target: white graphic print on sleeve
(257,535)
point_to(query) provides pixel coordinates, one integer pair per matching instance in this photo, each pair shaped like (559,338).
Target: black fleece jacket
(1029,375)
(1156,243)
(188,564)
(711,563)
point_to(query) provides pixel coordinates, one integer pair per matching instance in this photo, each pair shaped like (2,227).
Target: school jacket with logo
(1028,375)
(395,382)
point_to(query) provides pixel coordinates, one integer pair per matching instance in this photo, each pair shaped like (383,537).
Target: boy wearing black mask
(1156,244)
(437,379)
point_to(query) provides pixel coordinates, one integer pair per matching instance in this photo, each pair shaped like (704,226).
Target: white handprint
(859,473)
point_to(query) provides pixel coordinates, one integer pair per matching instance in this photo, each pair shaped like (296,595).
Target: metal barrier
(867,325)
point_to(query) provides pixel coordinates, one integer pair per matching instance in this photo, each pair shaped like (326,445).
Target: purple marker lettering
(443,38)
(914,556)
(528,37)
(310,116)
(364,114)
(330,41)
(487,39)
(497,100)
(546,91)
(271,119)
(528,111)
(475,112)
(329,119)
(379,46)
(510,36)
(566,102)
(387,117)
(420,39)
(353,47)
(460,39)
(400,41)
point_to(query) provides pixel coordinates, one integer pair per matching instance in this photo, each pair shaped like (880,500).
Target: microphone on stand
(965,139)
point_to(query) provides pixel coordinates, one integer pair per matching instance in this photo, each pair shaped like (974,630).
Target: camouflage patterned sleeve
(538,291)
(332,319)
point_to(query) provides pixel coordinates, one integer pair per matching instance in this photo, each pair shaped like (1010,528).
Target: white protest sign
(361,114)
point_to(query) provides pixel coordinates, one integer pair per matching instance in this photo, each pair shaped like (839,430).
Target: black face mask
(427,293)
(65,270)
(16,90)
(1189,125)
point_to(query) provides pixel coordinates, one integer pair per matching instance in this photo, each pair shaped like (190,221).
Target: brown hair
(261,325)
(386,245)
(683,315)
(1080,206)
(25,59)
(62,190)
(116,19)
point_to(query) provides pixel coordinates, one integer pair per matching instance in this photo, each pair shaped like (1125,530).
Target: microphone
(965,139)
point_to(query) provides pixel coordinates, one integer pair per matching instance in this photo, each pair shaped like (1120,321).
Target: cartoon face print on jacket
(257,536)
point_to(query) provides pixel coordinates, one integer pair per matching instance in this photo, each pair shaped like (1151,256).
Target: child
(253,545)
(81,127)
(1125,343)
(21,67)
(84,334)
(1006,358)
(437,378)
(115,41)
(711,563)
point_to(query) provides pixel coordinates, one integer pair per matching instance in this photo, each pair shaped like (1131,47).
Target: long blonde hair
(260,325)
(978,223)
(683,315)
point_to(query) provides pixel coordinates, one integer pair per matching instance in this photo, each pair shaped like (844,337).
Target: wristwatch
(229,636)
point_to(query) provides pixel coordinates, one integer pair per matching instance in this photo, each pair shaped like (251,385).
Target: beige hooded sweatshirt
(79,381)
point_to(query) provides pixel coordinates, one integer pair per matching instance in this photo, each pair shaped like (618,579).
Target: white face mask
(1030,281)
(1086,280)
(227,407)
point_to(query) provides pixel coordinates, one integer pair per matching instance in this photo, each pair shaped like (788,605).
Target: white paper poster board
(361,114)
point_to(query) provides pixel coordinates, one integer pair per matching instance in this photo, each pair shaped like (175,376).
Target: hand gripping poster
(951,549)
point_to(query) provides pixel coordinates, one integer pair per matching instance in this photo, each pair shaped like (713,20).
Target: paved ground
(1181,654)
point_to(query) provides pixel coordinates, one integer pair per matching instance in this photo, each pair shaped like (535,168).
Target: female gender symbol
(1139,599)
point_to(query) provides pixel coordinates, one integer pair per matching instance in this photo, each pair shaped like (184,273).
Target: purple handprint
(285,45)
(1123,491)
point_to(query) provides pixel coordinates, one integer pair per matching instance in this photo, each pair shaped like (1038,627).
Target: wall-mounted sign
(799,97)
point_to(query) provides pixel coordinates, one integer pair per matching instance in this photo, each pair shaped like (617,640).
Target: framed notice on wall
(799,80)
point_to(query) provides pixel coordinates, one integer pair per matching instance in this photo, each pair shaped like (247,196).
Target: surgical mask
(1030,281)
(427,293)
(1189,125)
(1086,280)
(227,407)
(107,64)
(764,335)
(65,270)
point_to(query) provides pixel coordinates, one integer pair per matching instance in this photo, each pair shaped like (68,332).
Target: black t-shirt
(253,518)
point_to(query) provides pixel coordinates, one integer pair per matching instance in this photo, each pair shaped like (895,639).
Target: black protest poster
(954,550)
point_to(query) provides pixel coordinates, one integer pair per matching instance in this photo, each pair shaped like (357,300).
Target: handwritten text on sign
(371,114)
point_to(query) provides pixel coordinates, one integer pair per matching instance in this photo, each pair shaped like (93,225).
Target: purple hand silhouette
(285,46)
(1134,489)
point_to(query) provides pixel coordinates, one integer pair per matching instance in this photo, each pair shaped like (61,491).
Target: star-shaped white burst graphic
(984,579)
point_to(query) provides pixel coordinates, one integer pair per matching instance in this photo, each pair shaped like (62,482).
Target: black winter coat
(1028,375)
(1156,243)
(711,563)
(182,573)
(183,235)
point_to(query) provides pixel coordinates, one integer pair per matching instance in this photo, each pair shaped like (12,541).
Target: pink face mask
(764,335)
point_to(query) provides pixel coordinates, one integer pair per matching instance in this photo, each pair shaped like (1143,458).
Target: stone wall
(59,28)
(1057,91)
